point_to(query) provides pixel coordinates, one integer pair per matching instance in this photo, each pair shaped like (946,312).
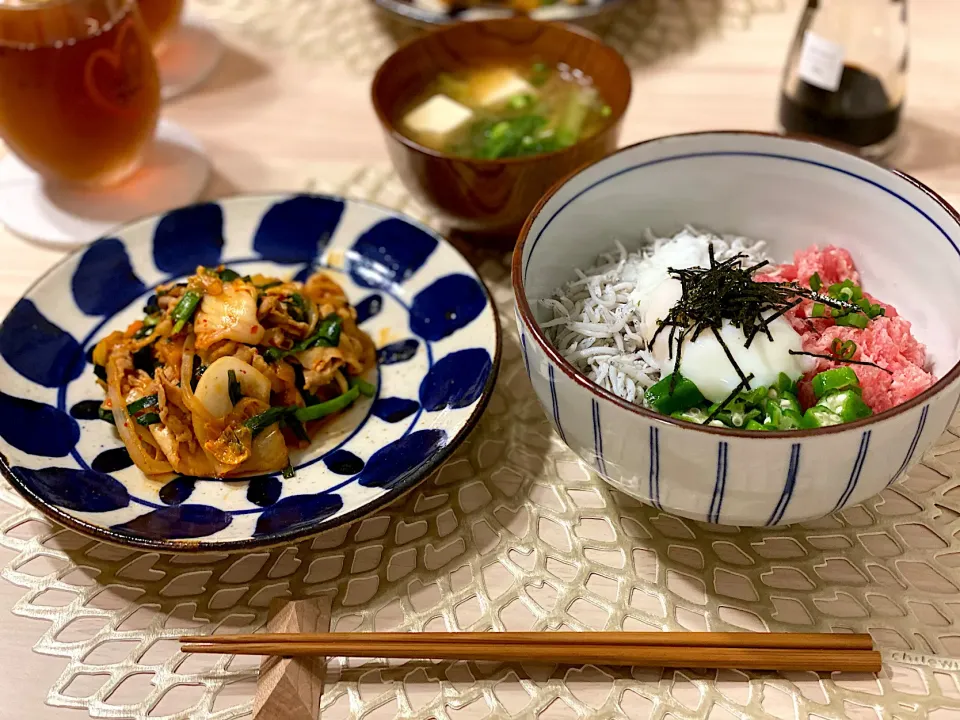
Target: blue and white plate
(428,312)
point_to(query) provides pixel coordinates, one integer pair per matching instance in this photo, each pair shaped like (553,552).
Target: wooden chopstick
(745,658)
(783,641)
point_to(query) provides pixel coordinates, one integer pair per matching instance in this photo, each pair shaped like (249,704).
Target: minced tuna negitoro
(898,371)
(709,330)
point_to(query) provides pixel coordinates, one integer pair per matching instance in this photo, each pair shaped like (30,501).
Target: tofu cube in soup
(495,87)
(437,116)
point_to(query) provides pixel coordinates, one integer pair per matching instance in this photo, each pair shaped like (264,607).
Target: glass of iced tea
(161,18)
(79,93)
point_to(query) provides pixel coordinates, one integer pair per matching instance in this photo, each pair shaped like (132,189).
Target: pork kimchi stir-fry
(226,373)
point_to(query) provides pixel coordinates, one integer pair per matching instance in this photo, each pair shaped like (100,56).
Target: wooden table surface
(243,115)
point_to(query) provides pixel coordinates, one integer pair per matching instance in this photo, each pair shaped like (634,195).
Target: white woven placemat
(514,533)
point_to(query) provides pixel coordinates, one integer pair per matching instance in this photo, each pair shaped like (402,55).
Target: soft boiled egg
(704,362)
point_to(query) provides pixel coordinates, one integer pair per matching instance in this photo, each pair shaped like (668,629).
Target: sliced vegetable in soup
(502,111)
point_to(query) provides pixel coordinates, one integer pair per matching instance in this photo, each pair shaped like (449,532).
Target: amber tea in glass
(161,18)
(79,93)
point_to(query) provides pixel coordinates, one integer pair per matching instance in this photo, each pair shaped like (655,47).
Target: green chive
(184,310)
(228,275)
(326,334)
(315,412)
(233,387)
(259,423)
(818,310)
(105,415)
(296,427)
(147,419)
(815,282)
(273,354)
(366,389)
(149,325)
(149,401)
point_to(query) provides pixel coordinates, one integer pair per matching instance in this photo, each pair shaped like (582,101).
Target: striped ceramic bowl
(791,193)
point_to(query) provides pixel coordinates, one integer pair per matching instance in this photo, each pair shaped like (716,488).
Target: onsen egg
(704,361)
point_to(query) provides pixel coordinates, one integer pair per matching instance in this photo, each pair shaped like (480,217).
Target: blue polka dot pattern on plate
(177,522)
(449,304)
(420,302)
(37,349)
(394,410)
(81,490)
(264,491)
(112,460)
(390,252)
(343,462)
(104,281)
(457,380)
(297,230)
(189,237)
(177,491)
(295,511)
(397,352)
(368,307)
(86,410)
(36,428)
(389,464)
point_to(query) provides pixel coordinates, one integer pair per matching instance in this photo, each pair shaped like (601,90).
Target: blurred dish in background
(591,13)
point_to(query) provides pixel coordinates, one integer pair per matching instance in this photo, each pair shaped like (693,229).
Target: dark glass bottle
(845,77)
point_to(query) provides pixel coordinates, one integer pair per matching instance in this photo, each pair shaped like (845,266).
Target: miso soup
(505,111)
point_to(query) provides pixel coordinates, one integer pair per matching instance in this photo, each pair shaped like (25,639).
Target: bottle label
(821,62)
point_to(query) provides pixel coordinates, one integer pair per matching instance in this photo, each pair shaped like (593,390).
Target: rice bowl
(753,186)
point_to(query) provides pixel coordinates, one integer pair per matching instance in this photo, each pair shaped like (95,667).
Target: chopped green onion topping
(815,282)
(853,320)
(843,349)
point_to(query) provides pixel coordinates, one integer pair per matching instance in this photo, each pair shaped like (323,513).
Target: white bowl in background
(792,193)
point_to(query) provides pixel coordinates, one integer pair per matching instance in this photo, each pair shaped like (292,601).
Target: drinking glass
(79,92)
